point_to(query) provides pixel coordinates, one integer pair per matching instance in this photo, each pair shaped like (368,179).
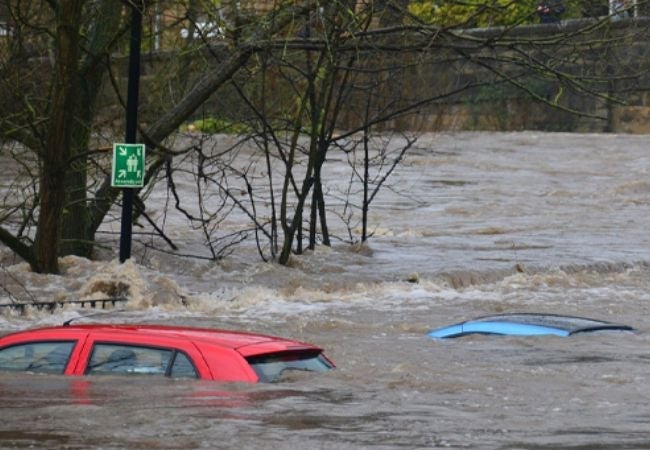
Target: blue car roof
(526,324)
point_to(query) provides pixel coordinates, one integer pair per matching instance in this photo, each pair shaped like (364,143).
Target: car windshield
(270,368)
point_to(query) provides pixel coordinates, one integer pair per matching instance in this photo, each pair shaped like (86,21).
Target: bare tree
(47,38)
(311,79)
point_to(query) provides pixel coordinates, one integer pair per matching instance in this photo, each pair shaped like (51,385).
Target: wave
(585,274)
(297,292)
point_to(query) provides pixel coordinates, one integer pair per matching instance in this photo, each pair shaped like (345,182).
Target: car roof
(526,324)
(223,338)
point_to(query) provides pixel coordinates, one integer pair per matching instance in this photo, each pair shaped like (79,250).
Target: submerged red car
(177,352)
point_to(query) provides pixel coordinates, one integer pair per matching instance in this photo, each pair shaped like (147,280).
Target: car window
(270,368)
(182,367)
(41,357)
(131,359)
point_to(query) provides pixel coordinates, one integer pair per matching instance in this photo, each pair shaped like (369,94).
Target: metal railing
(54,304)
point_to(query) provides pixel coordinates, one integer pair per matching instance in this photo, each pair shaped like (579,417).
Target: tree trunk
(296,223)
(57,149)
(77,237)
(322,214)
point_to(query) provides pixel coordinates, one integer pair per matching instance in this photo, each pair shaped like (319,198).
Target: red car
(177,352)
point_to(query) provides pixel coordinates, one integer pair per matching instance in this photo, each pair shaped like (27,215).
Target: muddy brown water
(476,223)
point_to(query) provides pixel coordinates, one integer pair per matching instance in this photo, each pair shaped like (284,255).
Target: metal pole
(131,126)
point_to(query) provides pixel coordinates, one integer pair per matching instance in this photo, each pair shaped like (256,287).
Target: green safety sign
(128,165)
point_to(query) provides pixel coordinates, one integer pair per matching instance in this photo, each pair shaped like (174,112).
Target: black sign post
(131,126)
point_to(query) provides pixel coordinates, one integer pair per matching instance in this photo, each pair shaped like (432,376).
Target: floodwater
(474,224)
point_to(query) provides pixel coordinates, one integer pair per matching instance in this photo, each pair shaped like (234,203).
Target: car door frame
(156,342)
(79,339)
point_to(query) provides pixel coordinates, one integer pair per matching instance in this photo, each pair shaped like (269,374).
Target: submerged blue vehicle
(526,324)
